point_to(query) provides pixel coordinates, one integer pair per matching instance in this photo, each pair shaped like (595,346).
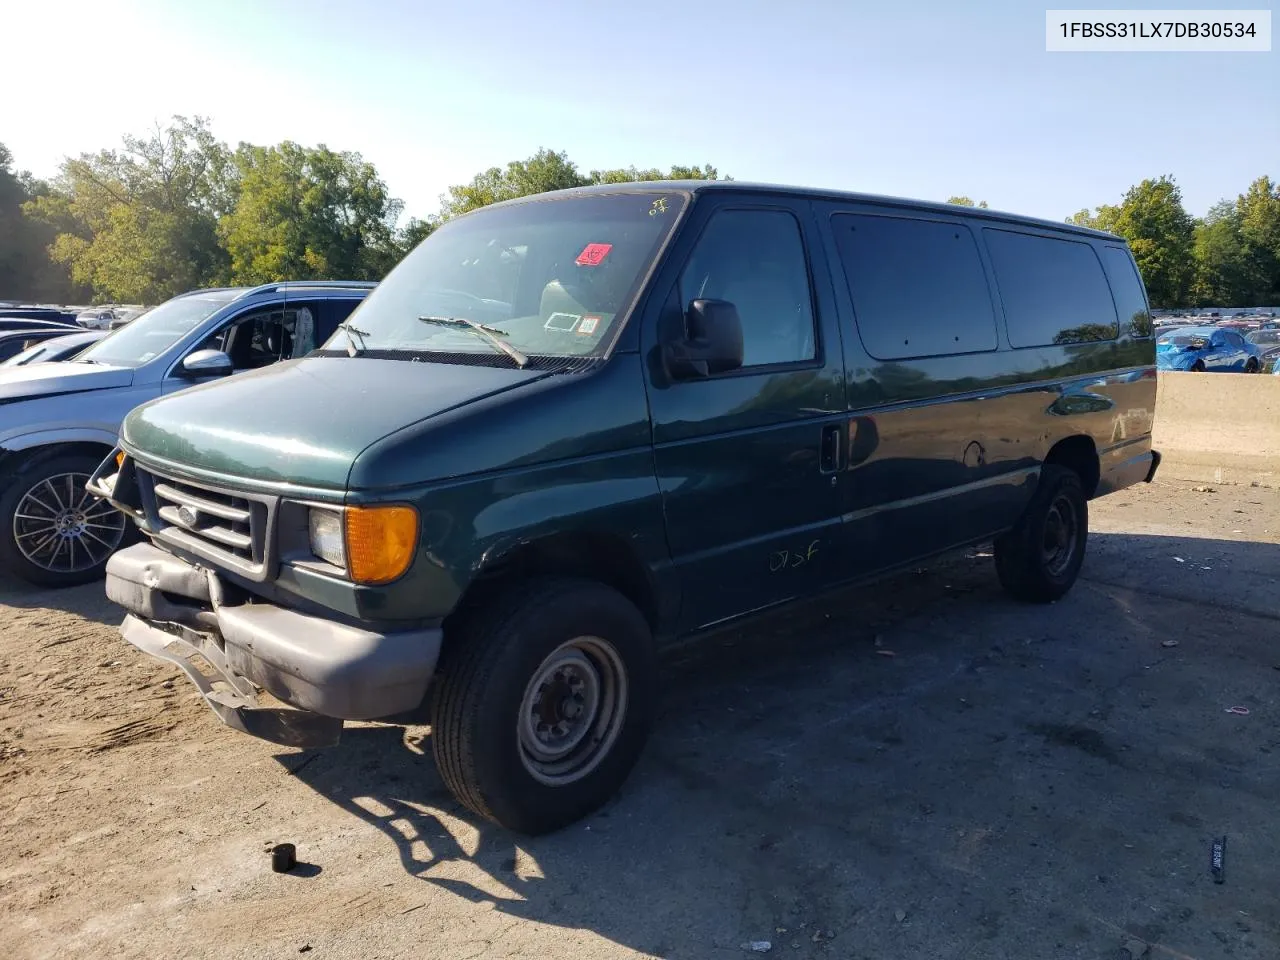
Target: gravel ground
(920,769)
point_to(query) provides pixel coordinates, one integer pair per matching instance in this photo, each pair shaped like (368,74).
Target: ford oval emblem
(188,517)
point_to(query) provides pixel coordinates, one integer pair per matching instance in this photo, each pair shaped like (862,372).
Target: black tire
(103,530)
(1029,566)
(1251,366)
(1198,367)
(487,676)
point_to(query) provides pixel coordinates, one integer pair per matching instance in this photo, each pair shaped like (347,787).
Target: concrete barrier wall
(1218,427)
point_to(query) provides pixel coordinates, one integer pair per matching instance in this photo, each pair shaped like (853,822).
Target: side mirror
(712,342)
(207,363)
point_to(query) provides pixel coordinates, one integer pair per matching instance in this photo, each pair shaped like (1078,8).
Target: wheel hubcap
(58,526)
(1060,529)
(572,710)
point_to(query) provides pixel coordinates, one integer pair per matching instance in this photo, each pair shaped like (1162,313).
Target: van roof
(815,193)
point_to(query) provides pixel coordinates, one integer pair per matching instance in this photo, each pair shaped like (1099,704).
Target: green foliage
(548,170)
(139,225)
(1258,214)
(306,213)
(966,202)
(1230,258)
(1161,235)
(26,272)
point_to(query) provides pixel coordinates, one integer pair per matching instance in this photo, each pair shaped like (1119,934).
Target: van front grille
(220,525)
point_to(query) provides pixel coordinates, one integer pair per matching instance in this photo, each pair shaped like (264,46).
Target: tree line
(178,208)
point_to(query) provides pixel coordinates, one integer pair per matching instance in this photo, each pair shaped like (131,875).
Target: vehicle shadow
(88,600)
(917,768)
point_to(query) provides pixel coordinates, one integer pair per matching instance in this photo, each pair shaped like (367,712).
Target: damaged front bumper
(327,671)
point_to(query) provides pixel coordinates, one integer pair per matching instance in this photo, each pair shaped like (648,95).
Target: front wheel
(1039,559)
(1251,366)
(544,703)
(1198,367)
(55,534)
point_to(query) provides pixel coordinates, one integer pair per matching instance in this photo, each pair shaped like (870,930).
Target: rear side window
(1131,303)
(918,287)
(1054,290)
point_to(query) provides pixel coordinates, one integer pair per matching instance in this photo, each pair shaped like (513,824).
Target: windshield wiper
(353,348)
(489,333)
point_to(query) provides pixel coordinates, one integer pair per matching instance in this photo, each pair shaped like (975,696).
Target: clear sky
(919,99)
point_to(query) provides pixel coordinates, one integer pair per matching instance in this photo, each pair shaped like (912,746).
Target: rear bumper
(328,671)
(1128,472)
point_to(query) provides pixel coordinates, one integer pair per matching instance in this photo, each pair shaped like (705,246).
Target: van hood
(47,379)
(305,421)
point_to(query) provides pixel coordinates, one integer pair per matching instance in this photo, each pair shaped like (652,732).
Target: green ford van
(569,429)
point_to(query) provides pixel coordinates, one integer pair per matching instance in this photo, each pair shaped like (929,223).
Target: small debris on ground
(758,946)
(886,653)
(899,914)
(1168,643)
(822,936)
(1204,490)
(284,857)
(1179,560)
(1218,860)
(1136,949)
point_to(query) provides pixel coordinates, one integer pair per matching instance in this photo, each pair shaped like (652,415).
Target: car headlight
(373,544)
(326,536)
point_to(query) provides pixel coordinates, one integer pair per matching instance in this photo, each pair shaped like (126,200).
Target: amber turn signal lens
(119,459)
(380,542)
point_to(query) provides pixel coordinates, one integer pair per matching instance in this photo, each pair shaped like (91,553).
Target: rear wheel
(1251,366)
(54,533)
(1198,367)
(1039,559)
(544,703)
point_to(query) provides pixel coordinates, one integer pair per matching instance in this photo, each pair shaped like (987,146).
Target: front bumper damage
(326,671)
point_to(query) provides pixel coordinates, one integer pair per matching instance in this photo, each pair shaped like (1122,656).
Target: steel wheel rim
(572,711)
(1058,545)
(60,527)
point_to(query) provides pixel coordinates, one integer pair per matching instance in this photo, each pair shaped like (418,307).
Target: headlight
(373,544)
(326,536)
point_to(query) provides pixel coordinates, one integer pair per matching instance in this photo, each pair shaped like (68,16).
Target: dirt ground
(921,769)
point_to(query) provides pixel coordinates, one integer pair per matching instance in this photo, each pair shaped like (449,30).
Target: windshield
(546,277)
(34,354)
(156,330)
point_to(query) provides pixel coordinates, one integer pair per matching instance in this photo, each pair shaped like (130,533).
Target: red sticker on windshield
(593,254)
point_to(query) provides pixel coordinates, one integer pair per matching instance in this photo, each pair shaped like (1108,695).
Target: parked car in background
(14,342)
(104,317)
(1267,340)
(1207,349)
(55,348)
(45,314)
(570,430)
(57,420)
(24,323)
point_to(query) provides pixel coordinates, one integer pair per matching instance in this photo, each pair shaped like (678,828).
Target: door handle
(829,459)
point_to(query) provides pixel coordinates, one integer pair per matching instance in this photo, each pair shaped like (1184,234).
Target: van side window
(1053,289)
(1127,290)
(918,286)
(755,260)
